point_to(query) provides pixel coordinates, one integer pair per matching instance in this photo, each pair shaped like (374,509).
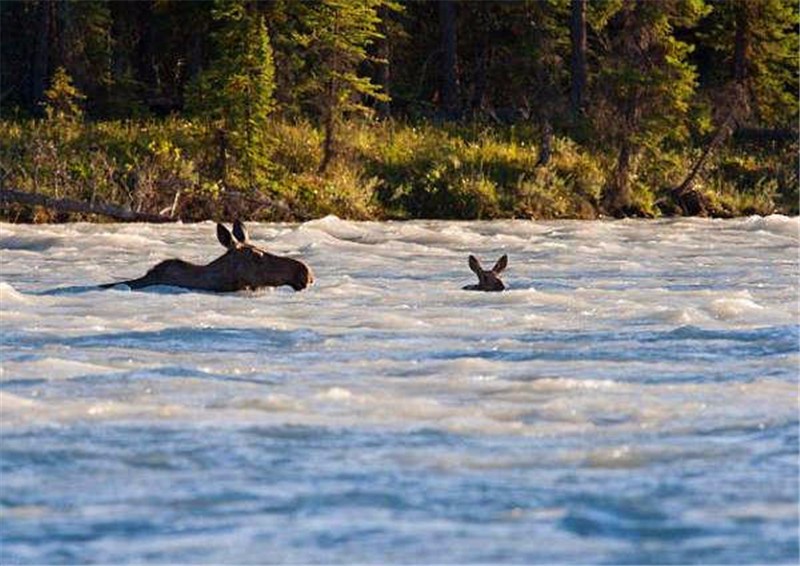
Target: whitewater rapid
(632,396)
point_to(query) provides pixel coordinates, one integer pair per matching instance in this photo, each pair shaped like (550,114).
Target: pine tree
(63,100)
(235,93)
(335,37)
(84,47)
(449,90)
(578,60)
(754,43)
(647,83)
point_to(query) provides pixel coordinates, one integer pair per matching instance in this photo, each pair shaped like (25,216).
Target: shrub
(384,170)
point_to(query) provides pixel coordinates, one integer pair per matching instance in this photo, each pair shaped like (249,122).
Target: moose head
(242,267)
(488,280)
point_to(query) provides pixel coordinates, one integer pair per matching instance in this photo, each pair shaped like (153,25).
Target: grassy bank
(382,170)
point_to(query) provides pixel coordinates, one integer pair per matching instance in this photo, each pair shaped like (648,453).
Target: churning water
(632,398)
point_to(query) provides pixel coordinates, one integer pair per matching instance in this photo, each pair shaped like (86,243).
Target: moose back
(242,267)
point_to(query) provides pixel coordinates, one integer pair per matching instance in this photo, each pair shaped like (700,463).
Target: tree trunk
(482,63)
(328,145)
(690,201)
(545,148)
(384,76)
(120,61)
(578,63)
(66,33)
(741,48)
(221,161)
(449,75)
(194,59)
(145,57)
(617,194)
(40,68)
(8,196)
(721,135)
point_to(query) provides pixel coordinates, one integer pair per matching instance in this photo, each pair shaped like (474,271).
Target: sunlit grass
(382,169)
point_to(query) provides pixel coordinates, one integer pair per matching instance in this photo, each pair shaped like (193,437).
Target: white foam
(684,316)
(338,228)
(733,308)
(775,224)
(387,338)
(420,233)
(12,403)
(10,296)
(336,394)
(49,369)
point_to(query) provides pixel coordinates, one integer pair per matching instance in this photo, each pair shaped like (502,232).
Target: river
(631,398)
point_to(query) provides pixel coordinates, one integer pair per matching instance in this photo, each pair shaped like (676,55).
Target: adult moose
(488,279)
(242,267)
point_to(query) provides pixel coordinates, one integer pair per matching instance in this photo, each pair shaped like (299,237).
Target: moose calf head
(488,280)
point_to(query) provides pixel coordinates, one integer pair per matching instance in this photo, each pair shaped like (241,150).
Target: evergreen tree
(754,44)
(449,90)
(578,61)
(235,93)
(63,100)
(335,36)
(85,46)
(549,49)
(647,84)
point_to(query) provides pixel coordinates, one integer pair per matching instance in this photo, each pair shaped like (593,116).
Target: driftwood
(691,201)
(169,214)
(73,206)
(721,135)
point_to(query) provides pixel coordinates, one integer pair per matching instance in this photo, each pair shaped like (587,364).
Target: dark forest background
(400,109)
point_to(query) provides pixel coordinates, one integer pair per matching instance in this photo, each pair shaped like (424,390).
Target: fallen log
(73,206)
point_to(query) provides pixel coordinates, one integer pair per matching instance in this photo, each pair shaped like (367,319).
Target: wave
(181,339)
(774,224)
(10,296)
(685,345)
(126,241)
(337,228)
(29,243)
(48,369)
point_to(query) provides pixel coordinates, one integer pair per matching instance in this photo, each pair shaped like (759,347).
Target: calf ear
(475,265)
(239,232)
(224,237)
(501,264)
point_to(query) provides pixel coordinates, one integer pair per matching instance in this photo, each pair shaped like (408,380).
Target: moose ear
(239,232)
(224,237)
(475,265)
(501,264)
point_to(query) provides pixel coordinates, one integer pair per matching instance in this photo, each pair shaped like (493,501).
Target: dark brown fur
(242,267)
(488,280)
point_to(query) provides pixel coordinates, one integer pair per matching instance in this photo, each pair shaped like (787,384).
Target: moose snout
(303,279)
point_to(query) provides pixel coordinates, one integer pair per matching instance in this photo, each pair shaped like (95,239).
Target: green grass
(382,170)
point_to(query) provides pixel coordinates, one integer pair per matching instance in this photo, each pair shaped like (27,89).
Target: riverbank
(383,170)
